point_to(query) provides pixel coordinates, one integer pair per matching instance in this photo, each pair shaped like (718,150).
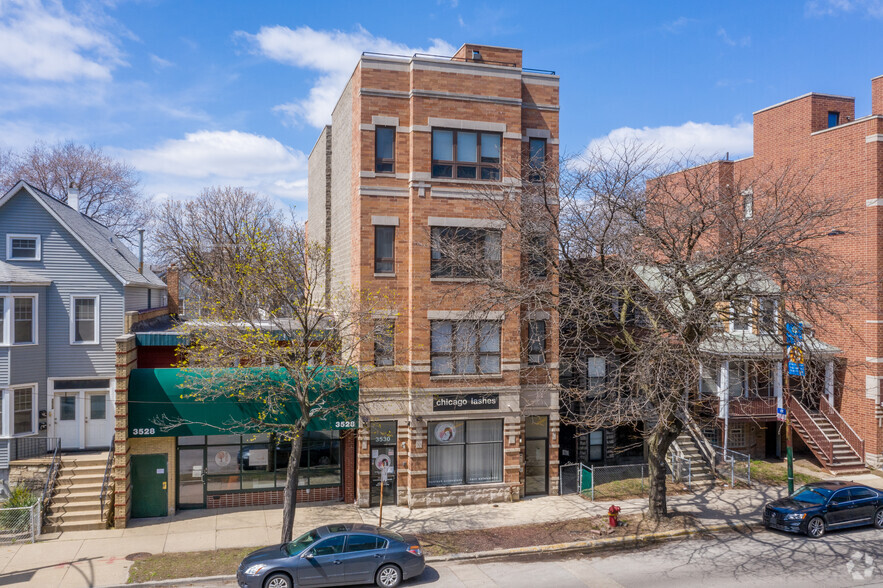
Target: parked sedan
(335,555)
(820,506)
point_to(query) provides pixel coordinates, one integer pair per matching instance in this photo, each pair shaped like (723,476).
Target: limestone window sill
(384,275)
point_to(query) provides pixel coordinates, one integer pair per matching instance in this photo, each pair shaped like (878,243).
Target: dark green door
(150,488)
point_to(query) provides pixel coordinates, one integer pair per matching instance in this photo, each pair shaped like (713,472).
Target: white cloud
(819,8)
(677,25)
(159,63)
(694,140)
(740,42)
(182,167)
(333,54)
(43,41)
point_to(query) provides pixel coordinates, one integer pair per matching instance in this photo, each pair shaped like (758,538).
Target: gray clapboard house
(66,282)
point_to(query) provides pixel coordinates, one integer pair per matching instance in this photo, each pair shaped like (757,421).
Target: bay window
(464,347)
(466,155)
(465,452)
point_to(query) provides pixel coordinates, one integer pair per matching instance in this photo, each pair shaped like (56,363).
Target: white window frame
(11,236)
(749,316)
(9,318)
(73,318)
(7,423)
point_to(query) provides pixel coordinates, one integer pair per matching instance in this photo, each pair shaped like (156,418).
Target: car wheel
(878,518)
(388,576)
(278,581)
(815,528)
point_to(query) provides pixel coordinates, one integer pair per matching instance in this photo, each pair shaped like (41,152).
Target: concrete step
(79,516)
(80,480)
(80,526)
(65,489)
(76,497)
(71,507)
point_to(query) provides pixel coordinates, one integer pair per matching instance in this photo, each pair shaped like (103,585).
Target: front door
(536,455)
(98,434)
(67,419)
(150,488)
(383,443)
(191,478)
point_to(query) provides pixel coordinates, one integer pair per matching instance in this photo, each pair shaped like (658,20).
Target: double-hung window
(464,347)
(465,452)
(18,411)
(23,247)
(465,252)
(536,342)
(384,343)
(84,320)
(766,315)
(384,249)
(466,155)
(740,319)
(384,150)
(18,319)
(536,159)
(537,252)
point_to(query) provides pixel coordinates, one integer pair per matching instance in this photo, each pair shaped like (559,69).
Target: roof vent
(73,197)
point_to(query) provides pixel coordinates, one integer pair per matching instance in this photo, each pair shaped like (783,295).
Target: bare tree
(109,189)
(653,258)
(268,333)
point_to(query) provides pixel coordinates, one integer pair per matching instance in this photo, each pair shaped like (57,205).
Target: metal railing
(732,464)
(681,468)
(812,430)
(702,442)
(48,487)
(30,447)
(104,483)
(753,407)
(848,433)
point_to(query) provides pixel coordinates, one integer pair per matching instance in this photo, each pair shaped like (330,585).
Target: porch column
(829,381)
(723,391)
(778,367)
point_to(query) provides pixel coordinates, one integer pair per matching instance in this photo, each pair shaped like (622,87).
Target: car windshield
(812,495)
(302,542)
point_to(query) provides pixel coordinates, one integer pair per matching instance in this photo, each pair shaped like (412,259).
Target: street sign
(794,333)
(780,415)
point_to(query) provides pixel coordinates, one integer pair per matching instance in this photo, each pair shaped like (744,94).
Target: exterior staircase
(837,447)
(701,476)
(76,503)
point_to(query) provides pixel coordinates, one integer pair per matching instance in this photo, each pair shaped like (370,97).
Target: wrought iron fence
(732,465)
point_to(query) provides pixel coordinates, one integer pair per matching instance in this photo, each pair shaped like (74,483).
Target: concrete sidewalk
(96,558)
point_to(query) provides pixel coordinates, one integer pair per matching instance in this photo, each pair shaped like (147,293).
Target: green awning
(159,398)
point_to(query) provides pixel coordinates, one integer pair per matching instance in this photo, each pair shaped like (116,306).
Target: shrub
(20,496)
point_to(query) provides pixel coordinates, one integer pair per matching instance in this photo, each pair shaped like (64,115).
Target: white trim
(9,319)
(385,121)
(8,403)
(469,125)
(538,315)
(460,315)
(874,359)
(23,186)
(386,221)
(874,202)
(384,191)
(875,138)
(483,223)
(11,236)
(537,134)
(536,79)
(73,311)
(732,326)
(872,388)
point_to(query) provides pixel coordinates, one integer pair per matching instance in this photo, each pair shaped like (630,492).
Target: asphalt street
(846,558)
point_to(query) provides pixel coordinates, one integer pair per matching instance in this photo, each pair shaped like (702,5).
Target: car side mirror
(307,555)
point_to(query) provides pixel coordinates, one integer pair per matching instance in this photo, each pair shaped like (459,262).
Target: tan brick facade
(415,95)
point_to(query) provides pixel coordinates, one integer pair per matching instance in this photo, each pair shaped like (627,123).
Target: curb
(629,541)
(609,542)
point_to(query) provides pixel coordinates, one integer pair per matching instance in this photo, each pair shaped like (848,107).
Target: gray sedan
(335,555)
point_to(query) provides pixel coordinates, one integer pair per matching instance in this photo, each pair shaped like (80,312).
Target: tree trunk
(289,502)
(659,442)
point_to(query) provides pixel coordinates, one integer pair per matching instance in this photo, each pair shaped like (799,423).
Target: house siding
(136,298)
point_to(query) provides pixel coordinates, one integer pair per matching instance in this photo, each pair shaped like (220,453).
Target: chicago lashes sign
(448,402)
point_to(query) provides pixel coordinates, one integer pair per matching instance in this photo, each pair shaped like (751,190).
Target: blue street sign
(780,414)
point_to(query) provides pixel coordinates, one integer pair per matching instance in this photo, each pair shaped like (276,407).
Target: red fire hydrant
(613,514)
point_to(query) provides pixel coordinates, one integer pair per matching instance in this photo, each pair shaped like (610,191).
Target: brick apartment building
(413,142)
(820,133)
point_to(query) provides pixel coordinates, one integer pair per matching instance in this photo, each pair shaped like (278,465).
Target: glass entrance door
(536,457)
(383,443)
(191,478)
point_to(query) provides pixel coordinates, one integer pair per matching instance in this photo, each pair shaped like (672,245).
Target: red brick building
(445,393)
(820,134)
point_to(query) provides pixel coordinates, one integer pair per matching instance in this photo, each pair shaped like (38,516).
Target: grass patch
(193,564)
(169,566)
(630,488)
(776,474)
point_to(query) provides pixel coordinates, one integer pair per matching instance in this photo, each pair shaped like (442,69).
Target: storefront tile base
(272,497)
(458,495)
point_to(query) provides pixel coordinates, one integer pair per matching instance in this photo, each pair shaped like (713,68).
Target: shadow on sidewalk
(22,576)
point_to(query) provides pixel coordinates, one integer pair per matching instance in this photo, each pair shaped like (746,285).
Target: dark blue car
(821,506)
(335,555)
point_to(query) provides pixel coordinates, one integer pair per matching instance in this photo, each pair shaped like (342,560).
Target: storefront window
(465,452)
(255,462)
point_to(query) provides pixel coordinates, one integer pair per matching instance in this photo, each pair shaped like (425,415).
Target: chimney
(73,197)
(173,289)
(877,95)
(140,251)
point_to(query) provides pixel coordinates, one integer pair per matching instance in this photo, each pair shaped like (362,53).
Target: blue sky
(234,92)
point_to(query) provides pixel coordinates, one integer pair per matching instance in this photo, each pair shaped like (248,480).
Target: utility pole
(788,441)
